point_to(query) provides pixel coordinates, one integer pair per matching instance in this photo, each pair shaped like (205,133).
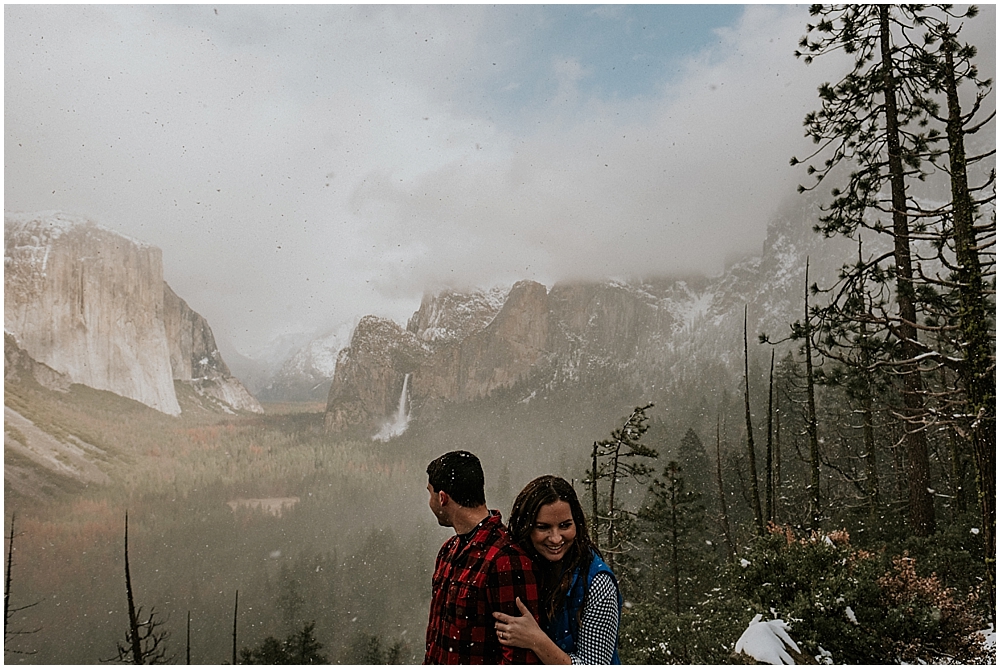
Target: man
(478,571)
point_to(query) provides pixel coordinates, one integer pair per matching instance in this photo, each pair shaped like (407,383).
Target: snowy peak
(307,373)
(451,316)
(657,336)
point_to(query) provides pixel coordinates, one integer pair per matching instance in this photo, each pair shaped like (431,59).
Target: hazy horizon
(301,166)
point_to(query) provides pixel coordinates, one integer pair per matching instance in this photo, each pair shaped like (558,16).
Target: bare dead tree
(8,611)
(769,457)
(751,452)
(236,608)
(145,640)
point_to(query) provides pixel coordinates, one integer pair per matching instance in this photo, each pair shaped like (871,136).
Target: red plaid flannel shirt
(471,581)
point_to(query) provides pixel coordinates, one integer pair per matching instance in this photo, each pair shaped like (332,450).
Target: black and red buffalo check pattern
(473,579)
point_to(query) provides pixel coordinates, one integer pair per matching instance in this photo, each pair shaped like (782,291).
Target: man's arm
(513,577)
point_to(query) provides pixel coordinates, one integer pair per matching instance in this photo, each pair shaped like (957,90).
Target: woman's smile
(554,531)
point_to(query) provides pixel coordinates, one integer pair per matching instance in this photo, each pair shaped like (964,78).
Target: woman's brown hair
(556,575)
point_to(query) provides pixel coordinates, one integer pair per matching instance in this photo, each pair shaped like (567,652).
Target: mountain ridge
(657,333)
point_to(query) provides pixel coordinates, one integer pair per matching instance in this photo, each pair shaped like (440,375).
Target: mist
(303,166)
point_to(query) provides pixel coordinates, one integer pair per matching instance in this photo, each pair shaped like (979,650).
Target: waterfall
(397,425)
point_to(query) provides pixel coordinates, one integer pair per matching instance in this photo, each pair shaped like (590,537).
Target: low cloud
(302,165)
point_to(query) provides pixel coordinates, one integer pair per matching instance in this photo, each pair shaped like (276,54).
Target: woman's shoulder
(597,565)
(603,581)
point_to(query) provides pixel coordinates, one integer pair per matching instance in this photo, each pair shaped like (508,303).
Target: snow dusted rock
(307,373)
(88,303)
(371,373)
(92,305)
(195,359)
(664,335)
(452,316)
(767,641)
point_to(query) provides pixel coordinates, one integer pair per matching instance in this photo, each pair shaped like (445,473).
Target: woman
(580,605)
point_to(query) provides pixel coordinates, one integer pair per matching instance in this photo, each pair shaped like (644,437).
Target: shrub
(855,606)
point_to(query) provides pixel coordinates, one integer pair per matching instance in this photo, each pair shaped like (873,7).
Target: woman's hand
(523,632)
(519,631)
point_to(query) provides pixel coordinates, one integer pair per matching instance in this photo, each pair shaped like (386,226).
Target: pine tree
(873,121)
(299,647)
(616,459)
(965,248)
(675,523)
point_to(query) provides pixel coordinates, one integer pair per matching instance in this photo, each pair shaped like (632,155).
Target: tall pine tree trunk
(812,428)
(920,501)
(769,457)
(978,372)
(777,455)
(722,493)
(751,453)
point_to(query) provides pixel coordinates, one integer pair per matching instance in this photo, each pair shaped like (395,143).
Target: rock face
(654,334)
(371,372)
(92,305)
(89,304)
(195,359)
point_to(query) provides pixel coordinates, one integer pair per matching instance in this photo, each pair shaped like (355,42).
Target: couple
(493,584)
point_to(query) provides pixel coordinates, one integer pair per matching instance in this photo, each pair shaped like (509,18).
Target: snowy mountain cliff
(655,334)
(92,306)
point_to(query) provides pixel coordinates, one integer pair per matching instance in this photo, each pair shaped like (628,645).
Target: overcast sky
(301,166)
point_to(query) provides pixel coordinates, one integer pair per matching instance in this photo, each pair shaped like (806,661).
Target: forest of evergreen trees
(869,522)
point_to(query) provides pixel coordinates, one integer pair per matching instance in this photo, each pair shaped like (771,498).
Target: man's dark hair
(460,474)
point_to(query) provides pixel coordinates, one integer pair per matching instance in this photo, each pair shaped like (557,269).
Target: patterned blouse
(598,623)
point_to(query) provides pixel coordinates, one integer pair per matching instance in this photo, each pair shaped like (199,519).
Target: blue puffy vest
(564,626)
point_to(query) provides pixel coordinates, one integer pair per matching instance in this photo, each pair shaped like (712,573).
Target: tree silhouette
(145,640)
(614,459)
(299,647)
(8,611)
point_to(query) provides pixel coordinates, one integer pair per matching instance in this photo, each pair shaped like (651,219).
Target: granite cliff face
(195,359)
(657,335)
(92,305)
(370,373)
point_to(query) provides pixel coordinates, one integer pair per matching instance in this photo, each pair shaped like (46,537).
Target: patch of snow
(744,563)
(767,641)
(825,656)
(850,615)
(990,635)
